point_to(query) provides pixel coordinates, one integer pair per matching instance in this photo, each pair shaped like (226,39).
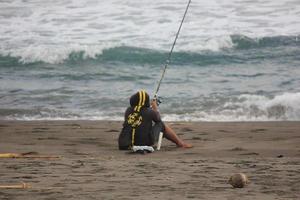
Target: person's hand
(154,104)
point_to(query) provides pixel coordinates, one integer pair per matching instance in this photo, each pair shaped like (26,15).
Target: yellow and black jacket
(137,126)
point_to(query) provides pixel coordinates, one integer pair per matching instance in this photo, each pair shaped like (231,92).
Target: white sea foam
(49,30)
(284,107)
(248,108)
(54,56)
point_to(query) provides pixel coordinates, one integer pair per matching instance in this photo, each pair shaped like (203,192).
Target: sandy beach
(90,166)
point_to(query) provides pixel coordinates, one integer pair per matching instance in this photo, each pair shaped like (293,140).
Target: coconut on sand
(238,180)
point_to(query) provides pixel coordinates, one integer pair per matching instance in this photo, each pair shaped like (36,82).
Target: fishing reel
(158,99)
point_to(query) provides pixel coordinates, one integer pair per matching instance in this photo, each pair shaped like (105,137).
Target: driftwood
(23,185)
(26,155)
(18,186)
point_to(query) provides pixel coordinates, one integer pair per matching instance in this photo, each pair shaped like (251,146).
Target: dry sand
(92,167)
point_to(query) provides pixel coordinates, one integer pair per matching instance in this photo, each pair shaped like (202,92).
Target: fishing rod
(170,53)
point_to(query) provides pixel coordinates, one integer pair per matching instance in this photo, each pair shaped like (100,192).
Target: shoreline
(91,166)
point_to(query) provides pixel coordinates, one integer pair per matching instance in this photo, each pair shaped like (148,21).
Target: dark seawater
(247,75)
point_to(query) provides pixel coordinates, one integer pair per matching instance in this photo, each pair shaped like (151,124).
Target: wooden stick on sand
(19,186)
(26,155)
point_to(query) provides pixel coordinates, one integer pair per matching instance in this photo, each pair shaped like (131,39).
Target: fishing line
(171,51)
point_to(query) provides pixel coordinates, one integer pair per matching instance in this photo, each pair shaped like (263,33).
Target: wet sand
(91,166)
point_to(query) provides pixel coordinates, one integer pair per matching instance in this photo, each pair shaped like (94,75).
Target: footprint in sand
(238,149)
(196,138)
(258,130)
(223,131)
(249,154)
(39,130)
(186,129)
(112,131)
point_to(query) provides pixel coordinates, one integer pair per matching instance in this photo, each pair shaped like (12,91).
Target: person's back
(137,126)
(138,129)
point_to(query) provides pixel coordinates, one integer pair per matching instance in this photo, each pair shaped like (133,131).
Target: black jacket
(138,121)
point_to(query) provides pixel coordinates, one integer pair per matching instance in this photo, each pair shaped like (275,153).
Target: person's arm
(154,105)
(156,115)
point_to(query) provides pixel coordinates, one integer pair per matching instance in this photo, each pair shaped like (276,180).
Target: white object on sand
(142,148)
(159,141)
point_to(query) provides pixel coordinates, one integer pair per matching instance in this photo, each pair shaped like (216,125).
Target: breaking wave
(213,53)
(246,107)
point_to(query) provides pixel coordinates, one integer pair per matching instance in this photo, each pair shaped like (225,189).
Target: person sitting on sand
(138,128)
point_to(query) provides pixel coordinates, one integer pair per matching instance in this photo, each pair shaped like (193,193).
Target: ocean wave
(244,42)
(55,114)
(215,52)
(245,107)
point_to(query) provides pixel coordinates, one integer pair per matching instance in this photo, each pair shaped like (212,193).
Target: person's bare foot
(185,145)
